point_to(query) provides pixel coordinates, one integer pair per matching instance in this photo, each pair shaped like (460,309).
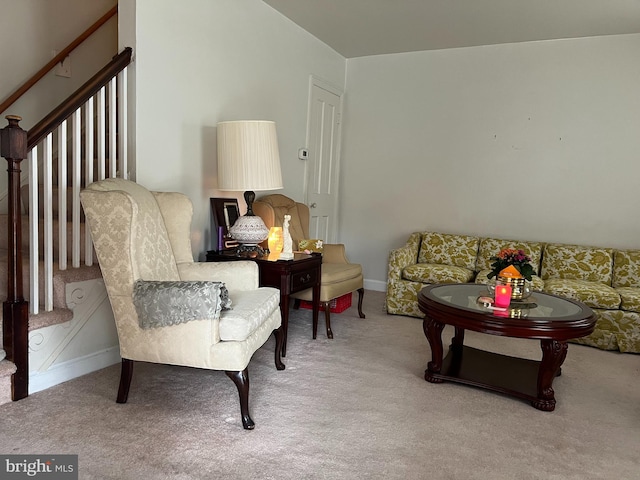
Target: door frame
(339,92)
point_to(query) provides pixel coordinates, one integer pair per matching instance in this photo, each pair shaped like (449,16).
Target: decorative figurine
(287,250)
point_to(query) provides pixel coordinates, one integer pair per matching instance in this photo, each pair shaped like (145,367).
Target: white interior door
(325,110)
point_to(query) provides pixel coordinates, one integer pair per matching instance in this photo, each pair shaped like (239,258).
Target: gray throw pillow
(159,303)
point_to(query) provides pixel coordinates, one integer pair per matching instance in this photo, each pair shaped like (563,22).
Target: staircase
(70,329)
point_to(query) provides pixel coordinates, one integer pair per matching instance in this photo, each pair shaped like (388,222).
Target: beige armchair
(167,308)
(339,277)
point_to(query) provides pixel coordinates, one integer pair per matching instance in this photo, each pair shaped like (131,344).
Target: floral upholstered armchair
(167,308)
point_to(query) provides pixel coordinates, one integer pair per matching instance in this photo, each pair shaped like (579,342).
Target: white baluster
(34,266)
(101,122)
(112,129)
(47,224)
(76,140)
(88,165)
(62,195)
(122,109)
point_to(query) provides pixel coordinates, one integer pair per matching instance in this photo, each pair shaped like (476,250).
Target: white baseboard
(74,368)
(375,285)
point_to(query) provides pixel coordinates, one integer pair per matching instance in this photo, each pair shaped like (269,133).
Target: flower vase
(520,287)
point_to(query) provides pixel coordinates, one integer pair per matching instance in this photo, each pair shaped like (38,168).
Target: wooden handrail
(10,100)
(78,98)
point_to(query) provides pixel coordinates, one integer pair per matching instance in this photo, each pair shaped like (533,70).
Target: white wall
(532,141)
(29,31)
(214,61)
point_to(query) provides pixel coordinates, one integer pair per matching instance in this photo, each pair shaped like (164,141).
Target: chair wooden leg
(241,379)
(327,318)
(126,372)
(296,303)
(279,334)
(360,296)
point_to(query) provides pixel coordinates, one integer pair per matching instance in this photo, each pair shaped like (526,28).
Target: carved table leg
(284,309)
(456,348)
(458,338)
(433,332)
(553,355)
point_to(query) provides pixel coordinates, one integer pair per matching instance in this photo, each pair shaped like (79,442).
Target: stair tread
(59,314)
(46,319)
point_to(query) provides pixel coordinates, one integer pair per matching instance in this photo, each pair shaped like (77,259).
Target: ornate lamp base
(248,250)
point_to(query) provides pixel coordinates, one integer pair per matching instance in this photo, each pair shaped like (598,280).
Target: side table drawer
(303,280)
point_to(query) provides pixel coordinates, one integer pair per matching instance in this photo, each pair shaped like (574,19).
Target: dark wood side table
(289,276)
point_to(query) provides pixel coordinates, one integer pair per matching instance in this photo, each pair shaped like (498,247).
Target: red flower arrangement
(511,256)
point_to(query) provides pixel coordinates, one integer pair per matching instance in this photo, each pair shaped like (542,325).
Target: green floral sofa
(605,279)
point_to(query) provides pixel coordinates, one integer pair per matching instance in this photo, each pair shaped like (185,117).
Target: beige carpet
(350,408)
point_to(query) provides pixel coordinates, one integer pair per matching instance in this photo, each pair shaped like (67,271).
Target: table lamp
(248,160)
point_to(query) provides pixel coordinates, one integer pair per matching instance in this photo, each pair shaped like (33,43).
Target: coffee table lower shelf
(513,376)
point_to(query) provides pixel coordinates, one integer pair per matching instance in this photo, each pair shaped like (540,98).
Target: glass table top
(537,306)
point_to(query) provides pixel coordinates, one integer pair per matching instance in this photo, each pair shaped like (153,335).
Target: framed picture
(225,213)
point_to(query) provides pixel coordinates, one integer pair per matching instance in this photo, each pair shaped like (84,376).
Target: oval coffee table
(551,319)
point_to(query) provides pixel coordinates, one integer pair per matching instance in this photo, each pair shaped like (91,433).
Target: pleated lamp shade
(248,160)
(248,156)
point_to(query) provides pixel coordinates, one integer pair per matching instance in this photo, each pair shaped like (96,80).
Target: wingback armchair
(338,277)
(167,308)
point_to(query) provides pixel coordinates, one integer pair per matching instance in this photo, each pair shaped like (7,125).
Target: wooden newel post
(15,310)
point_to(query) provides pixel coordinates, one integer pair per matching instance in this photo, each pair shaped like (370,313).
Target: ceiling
(356,28)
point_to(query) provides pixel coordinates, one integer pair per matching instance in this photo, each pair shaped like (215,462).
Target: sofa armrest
(401,258)
(237,276)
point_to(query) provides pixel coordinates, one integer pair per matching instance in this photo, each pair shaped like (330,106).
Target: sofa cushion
(339,272)
(446,249)
(489,247)
(626,268)
(592,294)
(630,297)
(576,262)
(435,273)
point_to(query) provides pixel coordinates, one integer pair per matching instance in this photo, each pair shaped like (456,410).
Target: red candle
(503,295)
